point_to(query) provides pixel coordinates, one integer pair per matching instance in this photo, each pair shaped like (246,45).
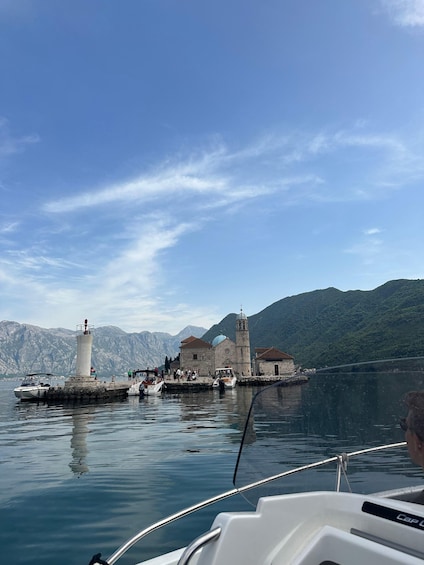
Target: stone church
(204,358)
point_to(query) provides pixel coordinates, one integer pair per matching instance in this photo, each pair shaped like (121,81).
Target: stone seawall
(266,380)
(204,383)
(109,391)
(187,386)
(99,392)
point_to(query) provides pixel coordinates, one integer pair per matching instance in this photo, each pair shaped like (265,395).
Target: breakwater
(269,380)
(88,392)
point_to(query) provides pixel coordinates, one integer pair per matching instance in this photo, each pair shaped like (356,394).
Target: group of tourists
(187,375)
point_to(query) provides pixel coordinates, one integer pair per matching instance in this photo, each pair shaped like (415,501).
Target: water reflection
(272,410)
(81,417)
(333,413)
(224,412)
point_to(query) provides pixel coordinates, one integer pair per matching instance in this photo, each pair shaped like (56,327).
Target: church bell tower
(243,367)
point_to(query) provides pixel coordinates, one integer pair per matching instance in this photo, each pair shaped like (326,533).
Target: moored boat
(224,378)
(152,387)
(315,506)
(33,387)
(146,382)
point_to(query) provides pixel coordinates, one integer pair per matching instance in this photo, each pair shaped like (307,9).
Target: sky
(164,163)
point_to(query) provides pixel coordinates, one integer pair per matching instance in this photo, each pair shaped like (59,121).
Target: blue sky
(163,163)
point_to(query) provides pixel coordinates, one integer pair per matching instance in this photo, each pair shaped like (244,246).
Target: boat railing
(198,543)
(341,461)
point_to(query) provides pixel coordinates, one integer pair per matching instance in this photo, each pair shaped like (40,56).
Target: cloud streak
(265,168)
(405,13)
(110,254)
(11,144)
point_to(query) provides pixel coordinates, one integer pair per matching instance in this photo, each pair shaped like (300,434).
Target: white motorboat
(147,384)
(33,387)
(224,378)
(308,510)
(152,387)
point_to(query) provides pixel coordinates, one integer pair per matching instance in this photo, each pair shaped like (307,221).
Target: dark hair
(414,400)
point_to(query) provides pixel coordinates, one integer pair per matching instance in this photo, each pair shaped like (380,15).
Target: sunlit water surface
(79,480)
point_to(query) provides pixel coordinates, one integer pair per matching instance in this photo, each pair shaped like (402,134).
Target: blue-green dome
(217,340)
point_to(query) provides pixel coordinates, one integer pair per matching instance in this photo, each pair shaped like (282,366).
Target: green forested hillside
(329,327)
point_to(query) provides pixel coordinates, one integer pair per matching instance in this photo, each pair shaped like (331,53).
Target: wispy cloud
(368,248)
(8,227)
(124,281)
(141,189)
(405,13)
(12,143)
(372,231)
(115,240)
(273,164)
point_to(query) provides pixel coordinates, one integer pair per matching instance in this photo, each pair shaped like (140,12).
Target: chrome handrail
(196,544)
(340,459)
(165,521)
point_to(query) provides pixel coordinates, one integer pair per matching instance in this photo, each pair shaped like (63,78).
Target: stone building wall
(199,359)
(285,367)
(225,353)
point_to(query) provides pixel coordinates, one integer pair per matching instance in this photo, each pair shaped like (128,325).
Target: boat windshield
(344,409)
(224,372)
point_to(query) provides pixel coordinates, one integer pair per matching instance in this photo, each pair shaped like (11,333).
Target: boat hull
(230,383)
(31,392)
(134,389)
(225,382)
(151,389)
(310,528)
(224,378)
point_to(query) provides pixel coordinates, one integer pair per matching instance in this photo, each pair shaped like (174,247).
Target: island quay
(205,383)
(196,371)
(83,391)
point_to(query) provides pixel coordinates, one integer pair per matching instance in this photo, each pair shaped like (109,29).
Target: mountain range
(26,348)
(330,327)
(322,327)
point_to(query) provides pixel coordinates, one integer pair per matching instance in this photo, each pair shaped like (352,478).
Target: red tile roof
(271,354)
(188,339)
(195,343)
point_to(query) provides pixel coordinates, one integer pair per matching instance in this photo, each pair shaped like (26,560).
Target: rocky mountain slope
(25,348)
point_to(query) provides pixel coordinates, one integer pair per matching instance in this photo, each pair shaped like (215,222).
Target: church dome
(218,339)
(241,316)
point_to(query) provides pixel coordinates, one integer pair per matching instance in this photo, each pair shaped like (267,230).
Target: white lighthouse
(84,386)
(83,376)
(84,345)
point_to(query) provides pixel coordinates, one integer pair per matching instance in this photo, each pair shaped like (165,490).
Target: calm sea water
(78,480)
(75,481)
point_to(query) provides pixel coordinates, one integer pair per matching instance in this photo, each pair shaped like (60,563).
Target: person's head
(413,425)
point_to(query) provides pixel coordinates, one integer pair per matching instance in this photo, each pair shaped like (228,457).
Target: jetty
(84,386)
(266,380)
(205,383)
